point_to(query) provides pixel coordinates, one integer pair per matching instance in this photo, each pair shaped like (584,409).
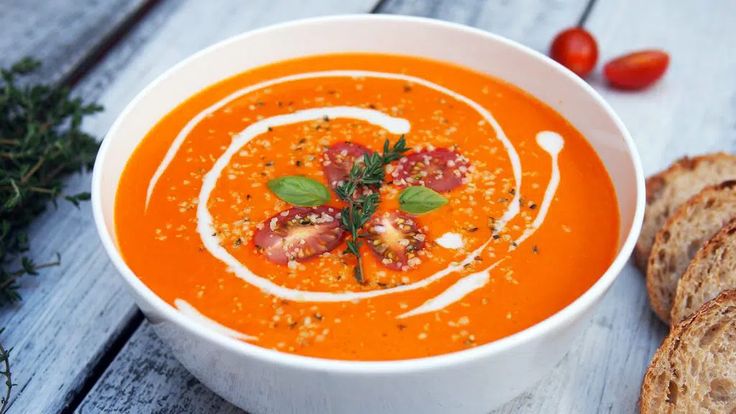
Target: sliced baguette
(694,370)
(687,229)
(670,188)
(712,270)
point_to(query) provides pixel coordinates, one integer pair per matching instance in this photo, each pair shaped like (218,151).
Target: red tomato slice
(339,159)
(636,70)
(395,239)
(440,169)
(299,233)
(576,49)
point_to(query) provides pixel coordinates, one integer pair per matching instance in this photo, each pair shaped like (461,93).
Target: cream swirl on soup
(514,173)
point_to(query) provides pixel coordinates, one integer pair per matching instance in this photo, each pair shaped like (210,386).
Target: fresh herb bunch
(40,142)
(360,192)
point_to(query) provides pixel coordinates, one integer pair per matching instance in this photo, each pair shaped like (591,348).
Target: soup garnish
(439,169)
(366,207)
(359,191)
(299,233)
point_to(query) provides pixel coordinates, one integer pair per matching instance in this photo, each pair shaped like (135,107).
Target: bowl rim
(295,361)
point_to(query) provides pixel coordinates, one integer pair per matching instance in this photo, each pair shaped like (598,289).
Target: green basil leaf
(418,200)
(300,191)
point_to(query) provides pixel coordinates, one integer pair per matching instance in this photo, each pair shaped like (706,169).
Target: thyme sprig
(5,373)
(360,192)
(40,142)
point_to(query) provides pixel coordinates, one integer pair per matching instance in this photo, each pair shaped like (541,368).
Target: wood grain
(145,375)
(63,326)
(692,110)
(62,33)
(69,315)
(531,22)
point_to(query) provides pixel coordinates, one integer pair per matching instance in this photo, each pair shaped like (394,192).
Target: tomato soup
(366,207)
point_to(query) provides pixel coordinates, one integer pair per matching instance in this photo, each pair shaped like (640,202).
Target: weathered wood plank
(531,22)
(154,381)
(145,377)
(73,314)
(58,332)
(66,320)
(139,59)
(62,33)
(692,110)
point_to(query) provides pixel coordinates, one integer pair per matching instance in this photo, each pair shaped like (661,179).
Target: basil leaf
(418,200)
(300,191)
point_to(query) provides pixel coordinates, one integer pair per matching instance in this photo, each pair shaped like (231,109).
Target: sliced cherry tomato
(339,159)
(576,49)
(299,233)
(395,239)
(636,70)
(440,169)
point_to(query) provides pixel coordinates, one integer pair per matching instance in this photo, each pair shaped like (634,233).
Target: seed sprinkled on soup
(366,207)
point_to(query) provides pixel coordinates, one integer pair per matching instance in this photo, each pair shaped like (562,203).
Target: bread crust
(655,395)
(654,216)
(660,288)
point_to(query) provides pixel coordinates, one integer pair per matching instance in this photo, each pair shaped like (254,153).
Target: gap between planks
(100,366)
(70,79)
(378,8)
(586,12)
(103,47)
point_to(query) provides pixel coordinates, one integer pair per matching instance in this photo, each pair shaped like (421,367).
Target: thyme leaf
(360,192)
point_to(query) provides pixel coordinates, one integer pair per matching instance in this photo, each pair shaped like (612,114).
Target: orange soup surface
(519,214)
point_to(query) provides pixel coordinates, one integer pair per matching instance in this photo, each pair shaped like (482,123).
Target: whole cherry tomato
(576,49)
(636,70)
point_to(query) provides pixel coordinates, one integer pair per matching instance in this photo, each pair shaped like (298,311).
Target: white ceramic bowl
(473,381)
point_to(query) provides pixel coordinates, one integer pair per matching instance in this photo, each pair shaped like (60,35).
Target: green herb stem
(41,141)
(360,192)
(5,372)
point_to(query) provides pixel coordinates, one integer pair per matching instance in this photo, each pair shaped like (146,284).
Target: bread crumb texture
(712,271)
(684,233)
(694,370)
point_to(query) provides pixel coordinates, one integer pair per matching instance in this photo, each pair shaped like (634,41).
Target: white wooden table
(82,346)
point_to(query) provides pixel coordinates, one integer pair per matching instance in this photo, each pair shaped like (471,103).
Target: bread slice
(694,370)
(687,229)
(670,188)
(712,270)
